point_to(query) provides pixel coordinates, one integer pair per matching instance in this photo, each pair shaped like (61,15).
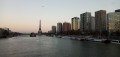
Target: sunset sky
(24,15)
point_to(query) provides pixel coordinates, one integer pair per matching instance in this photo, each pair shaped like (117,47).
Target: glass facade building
(100,20)
(53,29)
(59,27)
(113,21)
(92,23)
(85,24)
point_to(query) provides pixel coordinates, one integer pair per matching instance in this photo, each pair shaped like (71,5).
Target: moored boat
(32,35)
(73,38)
(97,40)
(89,39)
(115,41)
(82,39)
(59,36)
(106,41)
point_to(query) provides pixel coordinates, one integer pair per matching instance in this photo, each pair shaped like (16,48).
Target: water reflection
(43,46)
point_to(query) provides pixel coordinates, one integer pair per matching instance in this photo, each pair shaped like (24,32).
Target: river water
(44,46)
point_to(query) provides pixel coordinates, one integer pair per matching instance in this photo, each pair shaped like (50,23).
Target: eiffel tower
(40,31)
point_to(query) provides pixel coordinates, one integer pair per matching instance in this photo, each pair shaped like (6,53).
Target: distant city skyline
(24,15)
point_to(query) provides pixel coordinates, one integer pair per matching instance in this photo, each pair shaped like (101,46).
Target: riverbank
(90,38)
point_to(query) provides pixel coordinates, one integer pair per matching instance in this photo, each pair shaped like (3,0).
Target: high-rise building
(75,23)
(85,21)
(92,24)
(39,31)
(113,21)
(53,29)
(66,27)
(59,27)
(100,20)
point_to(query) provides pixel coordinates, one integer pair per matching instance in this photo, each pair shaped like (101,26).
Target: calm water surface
(44,46)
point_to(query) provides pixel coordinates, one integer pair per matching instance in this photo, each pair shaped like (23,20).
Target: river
(44,46)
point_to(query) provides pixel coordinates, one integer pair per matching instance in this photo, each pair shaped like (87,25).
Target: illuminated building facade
(75,23)
(113,21)
(66,27)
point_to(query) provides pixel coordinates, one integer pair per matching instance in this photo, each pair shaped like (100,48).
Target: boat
(73,38)
(97,40)
(106,41)
(115,41)
(65,37)
(89,39)
(59,36)
(32,35)
(78,38)
(82,39)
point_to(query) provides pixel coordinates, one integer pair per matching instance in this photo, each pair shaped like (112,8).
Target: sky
(24,15)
